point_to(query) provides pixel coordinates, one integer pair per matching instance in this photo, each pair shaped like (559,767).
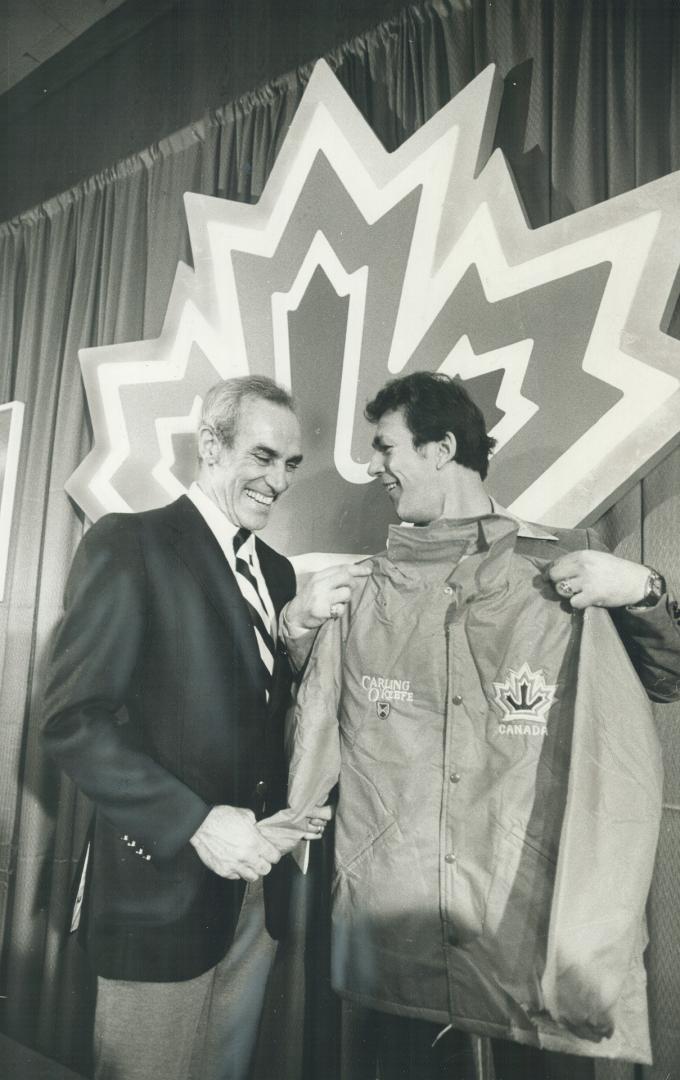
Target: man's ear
(446,449)
(208,445)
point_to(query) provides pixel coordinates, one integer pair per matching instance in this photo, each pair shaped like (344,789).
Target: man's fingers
(340,595)
(288,839)
(341,577)
(565,576)
(325,594)
(338,576)
(267,850)
(580,601)
(251,867)
(337,601)
(319,816)
(564,567)
(567,588)
(361,569)
(231,844)
(233,871)
(317,821)
(586,597)
(248,875)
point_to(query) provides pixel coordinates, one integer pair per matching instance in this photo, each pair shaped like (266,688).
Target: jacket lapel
(200,552)
(276,584)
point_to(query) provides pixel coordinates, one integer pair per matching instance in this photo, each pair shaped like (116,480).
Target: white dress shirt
(224,532)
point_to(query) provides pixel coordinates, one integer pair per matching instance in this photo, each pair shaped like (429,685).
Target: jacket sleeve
(651,637)
(297,641)
(97,651)
(608,839)
(314,736)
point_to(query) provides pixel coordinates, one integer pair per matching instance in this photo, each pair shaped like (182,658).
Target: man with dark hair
(496,757)
(165,705)
(432,403)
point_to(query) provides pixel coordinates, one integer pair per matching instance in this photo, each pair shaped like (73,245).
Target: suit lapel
(276,584)
(200,552)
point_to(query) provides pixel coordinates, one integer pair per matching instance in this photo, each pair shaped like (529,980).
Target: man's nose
(375,465)
(278,477)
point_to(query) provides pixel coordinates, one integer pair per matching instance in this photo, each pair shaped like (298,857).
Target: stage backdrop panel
(587,114)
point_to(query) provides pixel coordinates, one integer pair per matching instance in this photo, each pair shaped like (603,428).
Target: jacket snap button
(457,699)
(454,777)
(450,857)
(448,590)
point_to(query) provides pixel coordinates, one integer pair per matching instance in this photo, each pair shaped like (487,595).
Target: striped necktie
(256,609)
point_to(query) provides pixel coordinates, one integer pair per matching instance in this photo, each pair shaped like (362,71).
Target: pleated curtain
(591,108)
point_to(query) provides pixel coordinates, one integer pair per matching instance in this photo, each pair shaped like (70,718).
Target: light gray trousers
(201,1029)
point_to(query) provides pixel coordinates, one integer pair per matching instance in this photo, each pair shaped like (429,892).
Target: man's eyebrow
(262,448)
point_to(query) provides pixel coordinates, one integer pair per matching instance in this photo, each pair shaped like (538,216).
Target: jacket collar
(526,529)
(460,536)
(429,552)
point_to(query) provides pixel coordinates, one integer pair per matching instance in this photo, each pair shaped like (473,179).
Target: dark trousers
(407,1051)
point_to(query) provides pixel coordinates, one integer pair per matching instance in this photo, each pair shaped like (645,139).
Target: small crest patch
(524,698)
(383,709)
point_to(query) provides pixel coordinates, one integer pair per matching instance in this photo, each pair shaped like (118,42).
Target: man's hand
(230,843)
(286,835)
(598,579)
(324,595)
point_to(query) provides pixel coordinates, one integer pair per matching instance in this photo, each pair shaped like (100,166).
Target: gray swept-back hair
(223,402)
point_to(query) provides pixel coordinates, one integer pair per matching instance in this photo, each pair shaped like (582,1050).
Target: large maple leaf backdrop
(588,112)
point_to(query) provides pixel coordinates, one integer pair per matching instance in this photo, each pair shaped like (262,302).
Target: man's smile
(259,497)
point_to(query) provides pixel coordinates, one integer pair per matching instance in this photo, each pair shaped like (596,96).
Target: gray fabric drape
(590,109)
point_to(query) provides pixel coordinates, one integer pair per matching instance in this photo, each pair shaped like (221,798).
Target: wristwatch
(654,590)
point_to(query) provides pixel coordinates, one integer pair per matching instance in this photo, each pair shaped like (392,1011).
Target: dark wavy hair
(432,404)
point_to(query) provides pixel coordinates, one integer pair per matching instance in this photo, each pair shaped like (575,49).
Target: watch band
(654,590)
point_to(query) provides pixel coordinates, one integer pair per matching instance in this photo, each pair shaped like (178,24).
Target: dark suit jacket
(156,710)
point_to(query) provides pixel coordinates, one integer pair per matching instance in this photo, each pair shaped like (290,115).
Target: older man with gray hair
(165,702)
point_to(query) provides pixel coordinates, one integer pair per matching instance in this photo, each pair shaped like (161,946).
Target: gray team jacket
(499,795)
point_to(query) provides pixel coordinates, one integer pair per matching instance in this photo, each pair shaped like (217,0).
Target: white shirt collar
(219,524)
(224,532)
